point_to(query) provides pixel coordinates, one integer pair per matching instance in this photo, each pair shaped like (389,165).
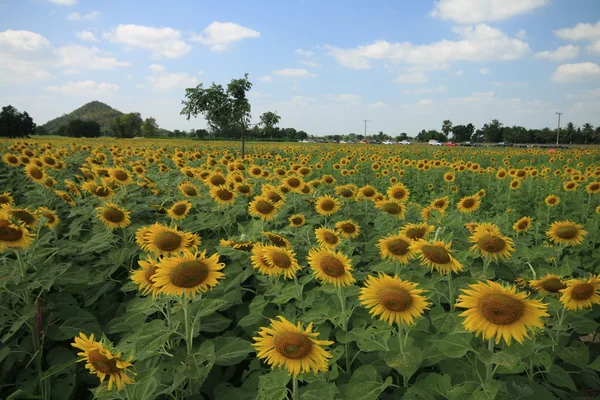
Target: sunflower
(593,188)
(393,300)
(392,207)
(13,235)
(276,239)
(6,198)
(523,224)
(440,204)
(449,177)
(327,205)
(549,284)
(417,231)
(51,218)
(286,345)
(367,192)
(437,255)
(570,186)
(187,273)
(35,173)
(396,248)
(215,179)
(281,261)
(11,160)
(223,195)
(491,245)
(103,362)
(293,183)
(238,245)
(567,233)
(496,312)
(398,192)
(120,175)
(327,238)
(515,184)
(581,293)
(468,204)
(260,263)
(188,189)
(297,220)
(113,216)
(344,191)
(23,215)
(330,266)
(552,200)
(274,195)
(162,240)
(263,208)
(144,275)
(348,229)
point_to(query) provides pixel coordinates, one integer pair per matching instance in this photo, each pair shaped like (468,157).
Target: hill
(92,111)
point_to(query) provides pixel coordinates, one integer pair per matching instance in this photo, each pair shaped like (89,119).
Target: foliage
(127,125)
(78,128)
(15,124)
(92,111)
(150,127)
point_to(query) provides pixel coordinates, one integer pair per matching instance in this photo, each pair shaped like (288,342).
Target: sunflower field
(165,269)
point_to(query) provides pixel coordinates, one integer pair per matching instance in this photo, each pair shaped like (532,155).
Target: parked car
(388,142)
(451,144)
(406,142)
(433,142)
(363,142)
(375,141)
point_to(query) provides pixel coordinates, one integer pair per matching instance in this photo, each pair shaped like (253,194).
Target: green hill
(92,111)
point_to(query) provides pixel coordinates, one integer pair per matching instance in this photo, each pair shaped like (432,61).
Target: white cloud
(168,82)
(483,71)
(509,84)
(594,48)
(580,31)
(345,98)
(460,72)
(63,2)
(377,104)
(304,53)
(412,78)
(580,72)
(473,11)
(156,68)
(140,86)
(220,36)
(477,43)
(83,87)
(475,98)
(199,73)
(71,72)
(22,56)
(424,102)
(310,63)
(23,40)
(77,16)
(83,57)
(294,73)
(521,34)
(86,36)
(162,42)
(439,89)
(563,53)
(265,78)
(585,94)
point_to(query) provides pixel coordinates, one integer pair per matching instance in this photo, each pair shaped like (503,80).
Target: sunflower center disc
(398,247)
(436,254)
(468,203)
(553,285)
(49,217)
(49,160)
(392,208)
(274,197)
(168,241)
(594,187)
(395,298)
(583,291)
(9,234)
(439,204)
(567,232)
(415,233)
(36,173)
(330,238)
(523,225)
(149,274)
(190,191)
(217,180)
(225,194)
(294,182)
(327,205)
(102,191)
(501,309)
(281,260)
(113,215)
(102,363)
(277,241)
(297,221)
(189,274)
(346,193)
(180,209)
(121,175)
(293,345)
(264,207)
(348,228)
(398,194)
(491,244)
(332,266)
(23,216)
(368,192)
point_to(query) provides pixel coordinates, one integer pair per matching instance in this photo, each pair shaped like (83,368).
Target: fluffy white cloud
(310,63)
(476,43)
(580,72)
(585,94)
(347,98)
(377,104)
(161,42)
(71,72)
(460,72)
(86,57)
(473,11)
(23,40)
(156,68)
(168,82)
(483,71)
(594,48)
(220,36)
(305,53)
(83,87)
(522,34)
(424,102)
(439,89)
(22,56)
(412,78)
(63,2)
(265,78)
(86,36)
(294,73)
(580,31)
(563,53)
(140,86)
(77,16)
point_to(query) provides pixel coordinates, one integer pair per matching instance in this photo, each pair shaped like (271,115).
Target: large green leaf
(272,386)
(231,350)
(366,384)
(406,363)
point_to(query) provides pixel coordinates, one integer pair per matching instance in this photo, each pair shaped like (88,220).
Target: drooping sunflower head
(393,300)
(276,239)
(417,231)
(392,207)
(13,235)
(35,173)
(188,273)
(179,210)
(396,248)
(491,245)
(223,195)
(348,229)
(398,192)
(144,275)
(24,216)
(496,312)
(581,293)
(330,266)
(263,208)
(552,200)
(436,255)
(567,233)
(549,284)
(297,220)
(113,216)
(523,224)
(327,205)
(344,191)
(289,346)
(327,238)
(50,216)
(468,204)
(189,189)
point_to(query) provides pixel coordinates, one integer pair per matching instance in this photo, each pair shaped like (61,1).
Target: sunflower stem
(489,371)
(189,332)
(344,324)
(450,291)
(558,328)
(294,388)
(486,264)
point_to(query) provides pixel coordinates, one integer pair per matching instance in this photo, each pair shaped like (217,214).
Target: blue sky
(323,66)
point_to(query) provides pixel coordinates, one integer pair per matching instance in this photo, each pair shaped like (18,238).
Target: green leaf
(146,339)
(406,363)
(504,359)
(231,350)
(578,354)
(596,364)
(199,364)
(272,386)
(559,377)
(543,359)
(366,384)
(251,319)
(206,307)
(432,387)
(371,338)
(145,385)
(455,345)
(318,390)
(442,320)
(214,323)
(487,391)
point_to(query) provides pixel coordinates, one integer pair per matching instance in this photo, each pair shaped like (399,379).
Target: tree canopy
(127,125)
(15,124)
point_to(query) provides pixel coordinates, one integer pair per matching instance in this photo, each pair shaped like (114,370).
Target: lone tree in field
(15,124)
(225,110)
(447,127)
(269,119)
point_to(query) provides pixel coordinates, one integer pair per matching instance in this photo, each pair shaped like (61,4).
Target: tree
(425,136)
(463,133)
(41,131)
(588,133)
(150,127)
(201,133)
(14,123)
(127,125)
(269,119)
(447,127)
(492,132)
(227,111)
(78,128)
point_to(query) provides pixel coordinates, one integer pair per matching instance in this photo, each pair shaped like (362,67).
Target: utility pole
(558,131)
(366,120)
